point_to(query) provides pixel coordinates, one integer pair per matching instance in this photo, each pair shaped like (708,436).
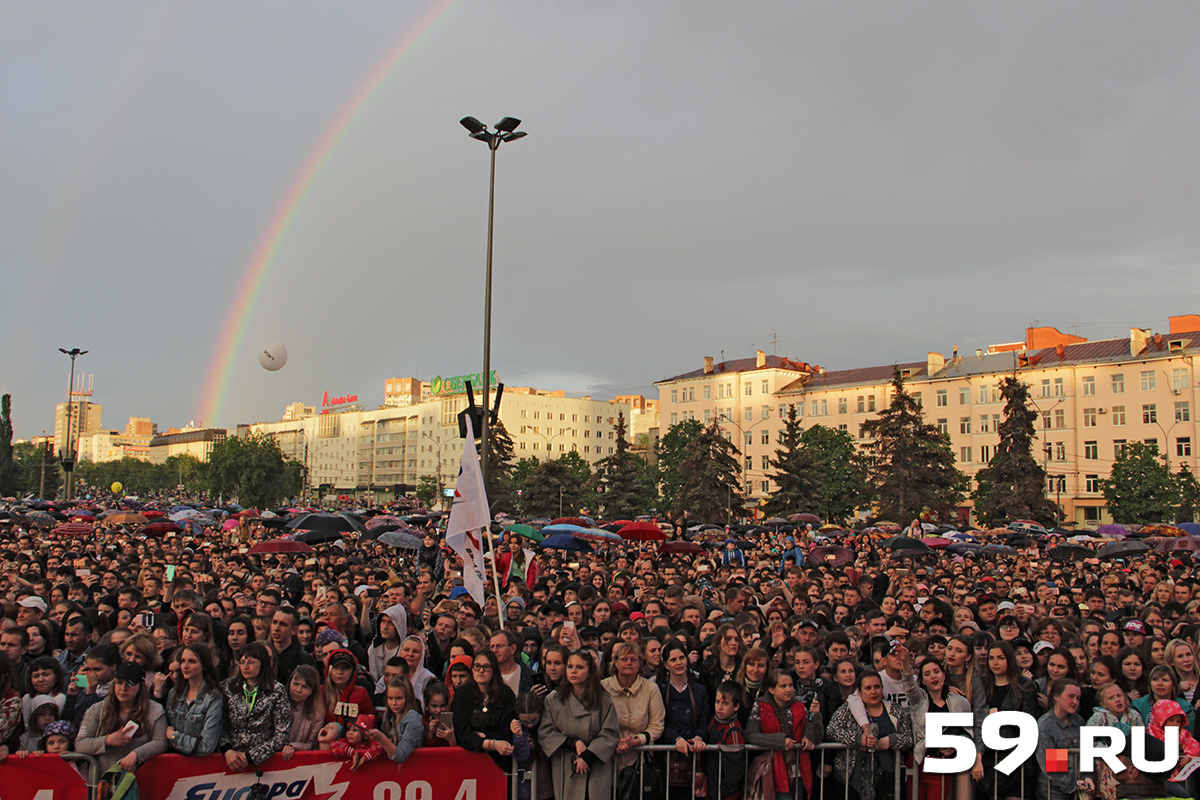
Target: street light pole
(68,462)
(505,132)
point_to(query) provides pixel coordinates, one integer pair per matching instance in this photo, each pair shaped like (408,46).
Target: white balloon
(273,356)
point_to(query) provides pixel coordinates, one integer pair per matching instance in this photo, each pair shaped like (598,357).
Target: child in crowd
(525,750)
(726,728)
(58,738)
(356,745)
(402,729)
(308,710)
(437,702)
(43,711)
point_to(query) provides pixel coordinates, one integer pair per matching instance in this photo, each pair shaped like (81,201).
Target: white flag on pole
(470,515)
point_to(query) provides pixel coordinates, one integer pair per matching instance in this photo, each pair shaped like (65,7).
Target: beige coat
(566,720)
(639,712)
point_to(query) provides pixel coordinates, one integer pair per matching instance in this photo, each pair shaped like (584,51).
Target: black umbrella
(317,537)
(1071,552)
(907,543)
(326,522)
(1122,549)
(964,548)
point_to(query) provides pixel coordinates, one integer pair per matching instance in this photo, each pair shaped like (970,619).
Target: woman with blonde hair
(1180,657)
(639,703)
(142,649)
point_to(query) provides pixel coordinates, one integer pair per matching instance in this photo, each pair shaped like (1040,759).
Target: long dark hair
(592,689)
(1011,670)
(266,671)
(208,671)
(495,686)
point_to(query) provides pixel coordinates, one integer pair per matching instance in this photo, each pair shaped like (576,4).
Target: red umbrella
(680,547)
(642,532)
(74,529)
(583,523)
(280,546)
(152,514)
(161,528)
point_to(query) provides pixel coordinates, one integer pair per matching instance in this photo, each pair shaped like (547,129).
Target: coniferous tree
(556,488)
(500,465)
(1141,488)
(671,449)
(710,487)
(1189,494)
(911,466)
(1012,486)
(8,470)
(623,477)
(795,474)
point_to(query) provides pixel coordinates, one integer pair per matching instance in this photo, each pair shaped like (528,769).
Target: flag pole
(501,610)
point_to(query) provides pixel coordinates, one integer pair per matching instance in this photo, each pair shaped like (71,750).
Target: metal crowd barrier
(93,771)
(906,770)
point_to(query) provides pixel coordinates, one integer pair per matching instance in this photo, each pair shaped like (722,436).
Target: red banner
(433,773)
(42,778)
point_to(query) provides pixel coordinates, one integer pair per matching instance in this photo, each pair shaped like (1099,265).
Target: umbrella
(74,529)
(383,519)
(564,527)
(830,554)
(597,535)
(152,514)
(400,540)
(331,523)
(812,519)
(524,530)
(279,546)
(565,541)
(317,537)
(642,532)
(1162,530)
(1178,544)
(1190,528)
(229,525)
(906,543)
(998,549)
(937,542)
(40,518)
(1122,549)
(182,514)
(1027,526)
(709,537)
(679,547)
(161,528)
(1071,552)
(576,521)
(773,521)
(964,549)
(1112,531)
(273,522)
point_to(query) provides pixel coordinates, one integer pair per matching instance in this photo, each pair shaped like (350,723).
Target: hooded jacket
(378,654)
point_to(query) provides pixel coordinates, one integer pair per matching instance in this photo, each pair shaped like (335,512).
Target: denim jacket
(197,724)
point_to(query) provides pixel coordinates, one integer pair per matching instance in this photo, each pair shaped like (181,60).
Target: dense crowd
(125,646)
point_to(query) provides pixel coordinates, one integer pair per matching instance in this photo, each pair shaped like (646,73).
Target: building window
(814,408)
(1059,389)
(983,393)
(1089,386)
(1118,416)
(1147,380)
(843,427)
(1118,383)
(674,419)
(941,398)
(964,396)
(861,405)
(964,424)
(1119,447)
(707,392)
(983,424)
(870,403)
(749,463)
(766,412)
(749,438)
(800,409)
(1060,451)
(1046,420)
(1183,412)
(1060,418)
(985,453)
(748,414)
(824,408)
(1152,442)
(1091,451)
(1091,484)
(1089,418)
(1179,379)
(764,388)
(749,389)
(707,416)
(964,455)
(766,436)
(843,405)
(1045,387)
(1183,445)
(766,462)
(943,426)
(1149,413)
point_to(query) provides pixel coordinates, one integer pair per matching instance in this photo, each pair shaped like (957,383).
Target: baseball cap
(1135,626)
(33,601)
(131,671)
(457,592)
(1042,647)
(1007,605)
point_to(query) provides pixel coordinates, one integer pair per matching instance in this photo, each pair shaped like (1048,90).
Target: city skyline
(841,187)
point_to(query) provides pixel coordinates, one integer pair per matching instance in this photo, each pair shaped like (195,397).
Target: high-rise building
(85,420)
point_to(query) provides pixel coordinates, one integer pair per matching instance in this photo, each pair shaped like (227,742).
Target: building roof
(862,376)
(742,365)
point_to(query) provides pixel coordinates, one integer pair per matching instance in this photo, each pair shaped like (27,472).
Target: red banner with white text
(434,773)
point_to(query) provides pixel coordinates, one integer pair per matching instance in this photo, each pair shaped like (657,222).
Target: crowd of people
(126,646)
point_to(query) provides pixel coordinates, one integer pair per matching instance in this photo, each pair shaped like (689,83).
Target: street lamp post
(67,452)
(505,132)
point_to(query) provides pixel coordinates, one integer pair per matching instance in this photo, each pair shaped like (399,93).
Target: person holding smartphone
(127,728)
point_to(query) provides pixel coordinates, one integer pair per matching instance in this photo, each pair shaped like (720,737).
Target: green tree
(911,466)
(1189,494)
(8,470)
(30,462)
(624,478)
(184,469)
(795,474)
(556,488)
(710,487)
(1013,485)
(671,448)
(429,490)
(253,470)
(500,464)
(1141,488)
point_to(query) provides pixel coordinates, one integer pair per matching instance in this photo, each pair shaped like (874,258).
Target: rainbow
(217,383)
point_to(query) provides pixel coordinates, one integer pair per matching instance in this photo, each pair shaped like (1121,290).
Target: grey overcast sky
(860,182)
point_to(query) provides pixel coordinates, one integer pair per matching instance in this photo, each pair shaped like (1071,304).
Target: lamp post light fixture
(67,451)
(506,131)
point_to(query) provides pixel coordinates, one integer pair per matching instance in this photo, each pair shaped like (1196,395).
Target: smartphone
(130,729)
(83,572)
(146,620)
(170,572)
(81,681)
(569,625)
(446,718)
